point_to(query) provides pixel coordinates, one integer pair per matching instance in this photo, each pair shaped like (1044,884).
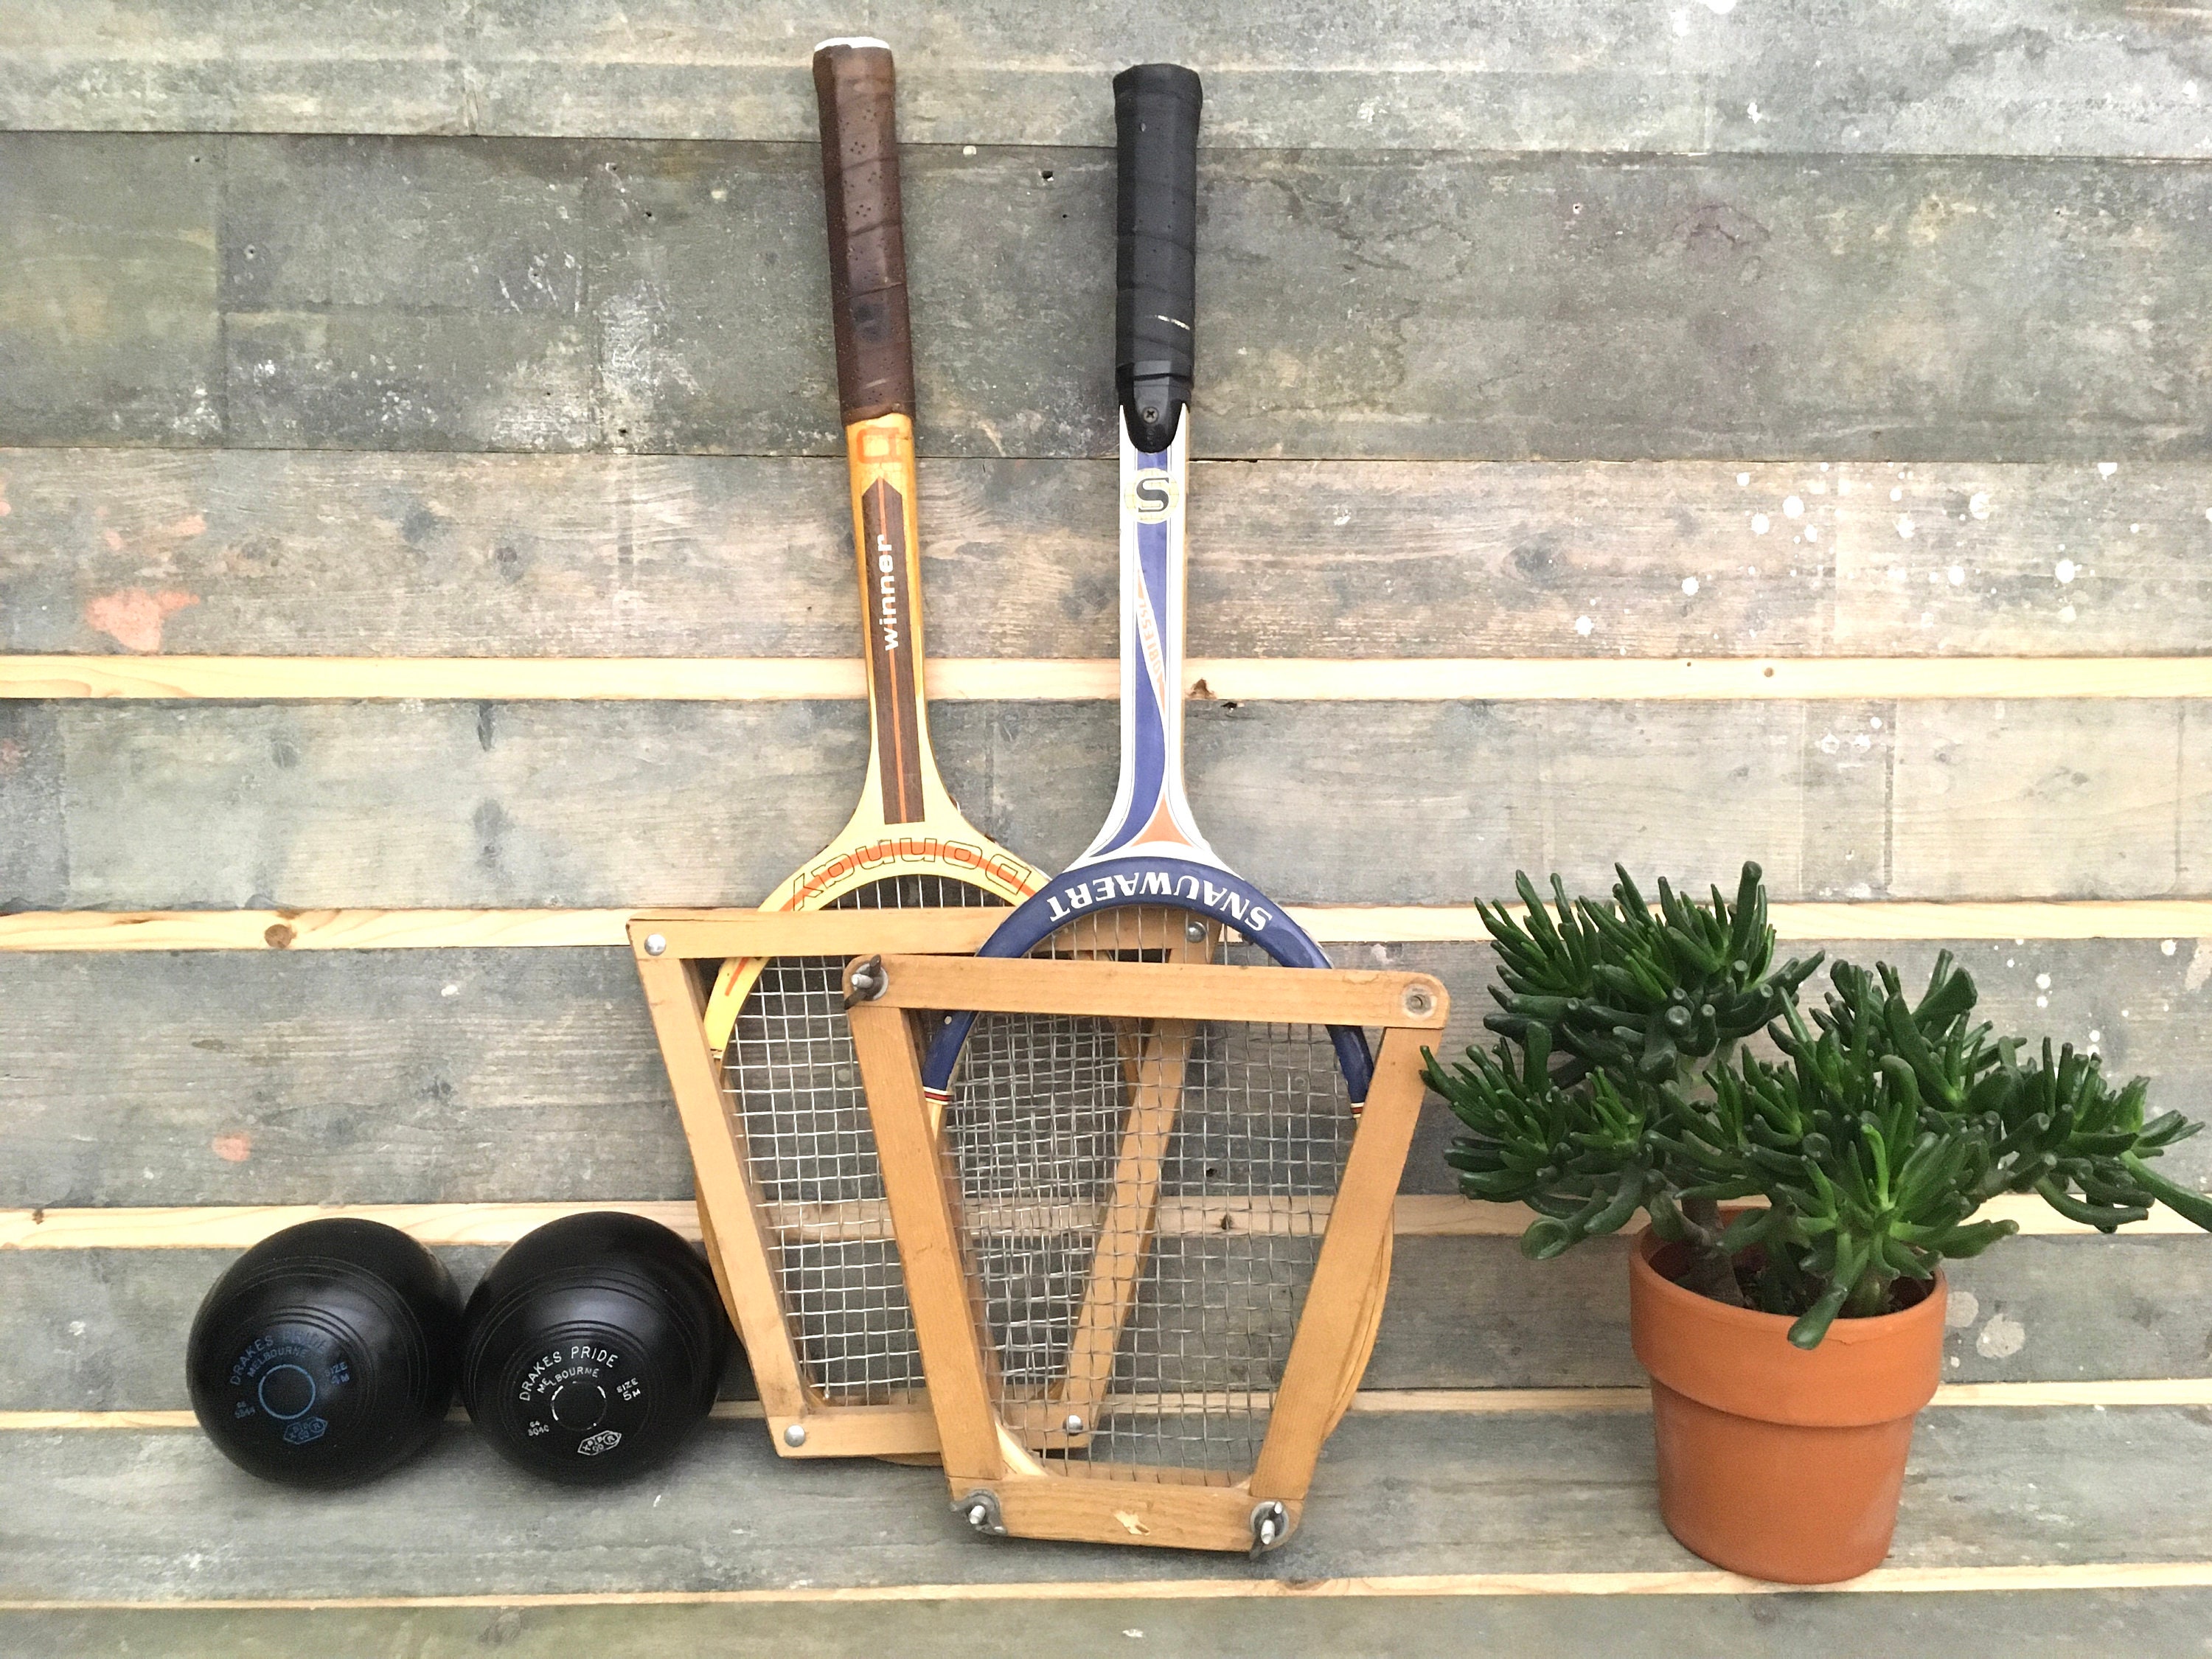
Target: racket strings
(792,1086)
(1143,1204)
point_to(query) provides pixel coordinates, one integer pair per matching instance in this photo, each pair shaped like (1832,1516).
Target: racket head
(943,847)
(1218,898)
(792,1092)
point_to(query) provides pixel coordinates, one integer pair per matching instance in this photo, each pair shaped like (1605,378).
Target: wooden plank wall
(1670,433)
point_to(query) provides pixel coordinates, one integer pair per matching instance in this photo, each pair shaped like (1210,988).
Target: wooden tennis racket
(791,1088)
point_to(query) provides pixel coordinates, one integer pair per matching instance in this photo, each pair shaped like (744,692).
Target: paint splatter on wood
(134,618)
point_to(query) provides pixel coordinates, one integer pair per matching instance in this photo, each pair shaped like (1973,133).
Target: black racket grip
(1156,107)
(855,91)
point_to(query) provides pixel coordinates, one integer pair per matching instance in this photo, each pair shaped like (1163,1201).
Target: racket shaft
(880,459)
(1150,808)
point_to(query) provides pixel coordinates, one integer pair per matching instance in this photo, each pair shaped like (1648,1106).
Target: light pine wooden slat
(1849,309)
(363,554)
(37,1422)
(1474,1402)
(213,1226)
(49,1422)
(1440,1216)
(2185,1391)
(967,679)
(309,930)
(1601,75)
(203,1227)
(524,679)
(1691,1582)
(1875,920)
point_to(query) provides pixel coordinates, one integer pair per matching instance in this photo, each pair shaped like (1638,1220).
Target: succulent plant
(1857,1153)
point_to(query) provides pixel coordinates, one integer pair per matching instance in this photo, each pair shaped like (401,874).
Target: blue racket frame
(1149,851)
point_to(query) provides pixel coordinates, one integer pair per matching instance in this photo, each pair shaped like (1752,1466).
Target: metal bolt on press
(980,1511)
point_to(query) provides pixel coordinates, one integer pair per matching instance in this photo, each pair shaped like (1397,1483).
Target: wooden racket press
(777,1209)
(774,1227)
(1146,1235)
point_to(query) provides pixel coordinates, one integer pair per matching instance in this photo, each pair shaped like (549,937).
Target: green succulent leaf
(1547,1237)
(2192,1206)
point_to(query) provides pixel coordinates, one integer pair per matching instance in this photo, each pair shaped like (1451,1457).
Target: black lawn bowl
(327,1354)
(593,1349)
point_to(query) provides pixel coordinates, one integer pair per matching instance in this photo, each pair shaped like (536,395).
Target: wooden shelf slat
(371,929)
(2114,1396)
(239,1226)
(1891,1581)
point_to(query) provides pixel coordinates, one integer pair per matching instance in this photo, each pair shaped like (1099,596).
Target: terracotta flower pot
(1780,1463)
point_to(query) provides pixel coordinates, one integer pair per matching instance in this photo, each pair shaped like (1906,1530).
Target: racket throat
(1151,808)
(887,554)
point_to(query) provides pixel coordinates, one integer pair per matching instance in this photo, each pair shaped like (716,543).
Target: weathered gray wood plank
(306,552)
(493,1075)
(146,1515)
(110,1325)
(478,1075)
(111,320)
(507,294)
(33,837)
(307,805)
(2054,803)
(1968,1624)
(104,1329)
(1475,1313)
(1967,76)
(2196,833)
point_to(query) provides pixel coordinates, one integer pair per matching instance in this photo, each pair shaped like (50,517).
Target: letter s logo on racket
(1152,497)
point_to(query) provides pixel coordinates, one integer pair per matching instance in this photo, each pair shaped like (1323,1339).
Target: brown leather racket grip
(855,90)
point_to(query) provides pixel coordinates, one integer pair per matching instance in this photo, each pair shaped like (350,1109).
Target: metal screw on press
(867,980)
(980,1511)
(1271,1524)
